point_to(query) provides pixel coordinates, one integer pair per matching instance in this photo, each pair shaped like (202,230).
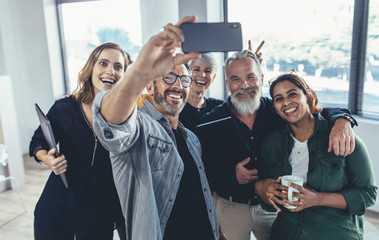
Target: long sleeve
(363,191)
(332,114)
(38,141)
(115,138)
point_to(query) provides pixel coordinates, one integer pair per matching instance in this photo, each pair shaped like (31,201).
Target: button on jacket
(351,175)
(147,168)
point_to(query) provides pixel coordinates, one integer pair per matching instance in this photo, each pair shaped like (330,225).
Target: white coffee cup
(293,179)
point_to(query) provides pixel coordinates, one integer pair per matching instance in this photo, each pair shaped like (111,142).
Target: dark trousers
(40,235)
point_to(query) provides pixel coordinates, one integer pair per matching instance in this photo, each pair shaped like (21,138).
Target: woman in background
(90,207)
(203,72)
(337,190)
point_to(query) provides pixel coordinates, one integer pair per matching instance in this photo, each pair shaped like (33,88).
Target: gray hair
(241,55)
(206,58)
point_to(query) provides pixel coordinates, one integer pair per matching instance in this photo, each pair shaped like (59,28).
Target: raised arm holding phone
(157,166)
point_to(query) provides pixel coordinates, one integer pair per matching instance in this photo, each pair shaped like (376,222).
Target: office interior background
(334,45)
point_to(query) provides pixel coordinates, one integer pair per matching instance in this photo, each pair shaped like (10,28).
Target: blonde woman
(90,207)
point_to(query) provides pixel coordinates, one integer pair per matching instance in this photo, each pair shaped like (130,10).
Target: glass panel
(88,24)
(307,36)
(370,107)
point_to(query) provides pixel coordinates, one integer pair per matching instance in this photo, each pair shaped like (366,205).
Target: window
(303,35)
(370,107)
(86,24)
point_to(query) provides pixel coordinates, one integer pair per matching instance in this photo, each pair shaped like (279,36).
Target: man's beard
(246,106)
(161,100)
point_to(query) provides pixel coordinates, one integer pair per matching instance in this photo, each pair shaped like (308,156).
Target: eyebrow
(291,90)
(106,60)
(103,59)
(234,77)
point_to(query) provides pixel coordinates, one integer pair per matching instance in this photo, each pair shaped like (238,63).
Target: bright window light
(88,24)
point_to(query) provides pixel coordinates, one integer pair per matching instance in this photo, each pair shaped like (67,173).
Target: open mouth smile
(290,110)
(108,81)
(202,83)
(175,96)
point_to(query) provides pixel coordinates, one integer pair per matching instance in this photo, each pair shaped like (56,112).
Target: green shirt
(352,176)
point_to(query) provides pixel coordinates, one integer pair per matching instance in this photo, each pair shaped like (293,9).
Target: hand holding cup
(290,196)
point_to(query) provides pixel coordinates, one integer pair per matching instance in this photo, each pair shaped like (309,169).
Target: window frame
(357,60)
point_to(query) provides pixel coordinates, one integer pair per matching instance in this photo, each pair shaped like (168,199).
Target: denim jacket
(147,168)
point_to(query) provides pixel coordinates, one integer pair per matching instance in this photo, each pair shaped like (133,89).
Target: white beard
(249,106)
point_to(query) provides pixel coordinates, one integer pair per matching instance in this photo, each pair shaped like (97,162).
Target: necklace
(299,148)
(310,133)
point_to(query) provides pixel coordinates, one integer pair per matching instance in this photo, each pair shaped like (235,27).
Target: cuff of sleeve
(35,152)
(355,202)
(351,119)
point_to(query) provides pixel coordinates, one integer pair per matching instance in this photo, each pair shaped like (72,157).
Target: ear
(150,88)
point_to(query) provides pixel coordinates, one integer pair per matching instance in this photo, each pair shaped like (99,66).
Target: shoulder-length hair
(84,91)
(294,78)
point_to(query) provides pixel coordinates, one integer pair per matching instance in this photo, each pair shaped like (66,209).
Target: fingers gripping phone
(212,37)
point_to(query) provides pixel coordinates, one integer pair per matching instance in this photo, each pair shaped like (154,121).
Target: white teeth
(290,110)
(175,96)
(107,80)
(201,82)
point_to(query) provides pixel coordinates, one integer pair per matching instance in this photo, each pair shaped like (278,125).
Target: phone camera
(233,25)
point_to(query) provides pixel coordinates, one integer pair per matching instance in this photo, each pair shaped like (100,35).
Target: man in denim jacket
(156,162)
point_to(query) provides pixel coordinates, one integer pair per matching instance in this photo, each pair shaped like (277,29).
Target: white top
(299,159)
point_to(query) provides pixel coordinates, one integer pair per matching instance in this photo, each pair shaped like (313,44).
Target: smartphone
(212,37)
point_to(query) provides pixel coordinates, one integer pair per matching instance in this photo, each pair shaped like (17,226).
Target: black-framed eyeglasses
(185,80)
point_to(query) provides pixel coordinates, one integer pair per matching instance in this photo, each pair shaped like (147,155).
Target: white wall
(26,55)
(155,15)
(9,130)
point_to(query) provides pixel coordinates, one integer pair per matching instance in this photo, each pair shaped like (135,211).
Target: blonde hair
(84,91)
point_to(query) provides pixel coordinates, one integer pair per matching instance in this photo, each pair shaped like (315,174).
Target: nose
(177,82)
(287,102)
(246,83)
(110,70)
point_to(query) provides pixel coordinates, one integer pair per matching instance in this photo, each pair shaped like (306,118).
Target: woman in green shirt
(337,190)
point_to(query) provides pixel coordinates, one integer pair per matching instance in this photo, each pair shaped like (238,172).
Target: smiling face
(169,99)
(202,75)
(290,102)
(245,85)
(108,69)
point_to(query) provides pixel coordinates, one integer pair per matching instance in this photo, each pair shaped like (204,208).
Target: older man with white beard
(231,137)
